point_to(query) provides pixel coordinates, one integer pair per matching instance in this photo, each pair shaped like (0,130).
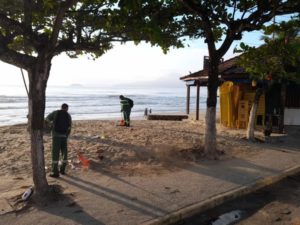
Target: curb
(219,199)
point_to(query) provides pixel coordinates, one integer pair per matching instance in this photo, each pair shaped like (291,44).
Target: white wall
(292,116)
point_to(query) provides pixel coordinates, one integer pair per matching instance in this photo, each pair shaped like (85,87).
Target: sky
(127,65)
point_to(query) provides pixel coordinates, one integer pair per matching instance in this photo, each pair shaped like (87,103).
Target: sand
(144,149)
(150,146)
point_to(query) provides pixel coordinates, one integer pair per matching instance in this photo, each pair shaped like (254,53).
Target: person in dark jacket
(61,127)
(126,105)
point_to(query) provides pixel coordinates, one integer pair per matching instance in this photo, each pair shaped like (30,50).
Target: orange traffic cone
(84,161)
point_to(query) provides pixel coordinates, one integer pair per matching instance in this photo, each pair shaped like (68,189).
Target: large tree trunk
(38,78)
(210,145)
(251,124)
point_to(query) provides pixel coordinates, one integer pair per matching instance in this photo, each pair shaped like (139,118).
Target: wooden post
(188,94)
(197,101)
(282,106)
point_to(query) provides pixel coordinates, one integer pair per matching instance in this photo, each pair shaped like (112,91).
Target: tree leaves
(277,57)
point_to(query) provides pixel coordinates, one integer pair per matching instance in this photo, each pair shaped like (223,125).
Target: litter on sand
(27,194)
(228,218)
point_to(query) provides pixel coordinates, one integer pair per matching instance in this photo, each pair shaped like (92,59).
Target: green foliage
(88,26)
(92,26)
(219,23)
(152,21)
(278,59)
(286,29)
(11,7)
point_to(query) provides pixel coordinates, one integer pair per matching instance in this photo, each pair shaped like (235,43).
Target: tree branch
(58,20)
(15,58)
(69,45)
(206,25)
(253,22)
(28,13)
(13,25)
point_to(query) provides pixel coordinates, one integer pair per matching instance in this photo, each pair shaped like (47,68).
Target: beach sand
(145,149)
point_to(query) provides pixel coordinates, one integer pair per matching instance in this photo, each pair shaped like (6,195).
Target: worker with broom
(61,127)
(126,106)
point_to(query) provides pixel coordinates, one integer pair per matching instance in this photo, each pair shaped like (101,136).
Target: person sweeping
(61,127)
(126,106)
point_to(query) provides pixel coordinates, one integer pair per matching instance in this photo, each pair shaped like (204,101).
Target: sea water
(88,103)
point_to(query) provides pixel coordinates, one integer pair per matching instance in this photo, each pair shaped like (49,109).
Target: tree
(32,32)
(274,62)
(220,23)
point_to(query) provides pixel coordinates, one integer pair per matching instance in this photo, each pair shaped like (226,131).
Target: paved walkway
(161,199)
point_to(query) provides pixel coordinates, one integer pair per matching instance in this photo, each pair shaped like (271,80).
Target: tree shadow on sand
(61,205)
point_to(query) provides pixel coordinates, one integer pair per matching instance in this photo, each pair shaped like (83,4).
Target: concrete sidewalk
(102,198)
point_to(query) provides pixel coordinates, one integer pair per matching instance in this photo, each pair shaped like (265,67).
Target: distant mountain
(76,85)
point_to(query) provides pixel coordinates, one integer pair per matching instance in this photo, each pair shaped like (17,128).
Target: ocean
(89,103)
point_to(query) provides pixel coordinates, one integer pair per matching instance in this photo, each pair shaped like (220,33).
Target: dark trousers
(126,114)
(59,145)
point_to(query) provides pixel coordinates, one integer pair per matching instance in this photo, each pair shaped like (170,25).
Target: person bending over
(126,106)
(61,127)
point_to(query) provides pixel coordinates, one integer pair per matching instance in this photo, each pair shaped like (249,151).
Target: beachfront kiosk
(280,105)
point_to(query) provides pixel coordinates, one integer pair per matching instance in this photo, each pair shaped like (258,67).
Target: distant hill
(76,85)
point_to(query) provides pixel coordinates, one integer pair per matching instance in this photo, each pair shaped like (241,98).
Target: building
(279,105)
